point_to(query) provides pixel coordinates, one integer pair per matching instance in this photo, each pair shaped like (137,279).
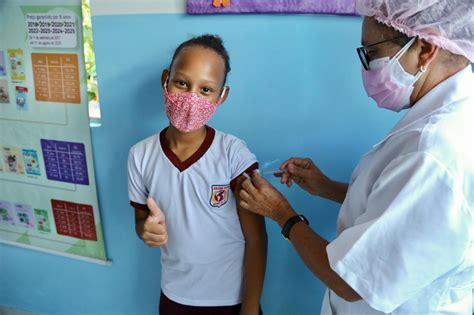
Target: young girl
(213,253)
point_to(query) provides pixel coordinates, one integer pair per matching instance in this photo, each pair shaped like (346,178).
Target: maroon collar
(181,166)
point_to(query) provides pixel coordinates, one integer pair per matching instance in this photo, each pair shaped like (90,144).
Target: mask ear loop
(165,86)
(419,73)
(407,46)
(222,95)
(400,54)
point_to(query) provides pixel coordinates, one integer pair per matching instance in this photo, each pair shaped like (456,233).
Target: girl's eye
(206,90)
(181,83)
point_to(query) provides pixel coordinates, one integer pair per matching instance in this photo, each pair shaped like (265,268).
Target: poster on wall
(340,7)
(48,195)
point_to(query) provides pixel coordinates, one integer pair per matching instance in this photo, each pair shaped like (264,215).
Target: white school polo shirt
(202,263)
(406,229)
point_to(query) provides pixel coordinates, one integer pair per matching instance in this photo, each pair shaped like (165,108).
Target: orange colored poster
(56,77)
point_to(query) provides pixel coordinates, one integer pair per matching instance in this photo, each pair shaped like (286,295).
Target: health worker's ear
(427,53)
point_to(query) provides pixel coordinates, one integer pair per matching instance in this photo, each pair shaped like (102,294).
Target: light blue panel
(295,91)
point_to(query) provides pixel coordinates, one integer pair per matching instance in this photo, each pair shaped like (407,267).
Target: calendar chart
(56,77)
(74,219)
(65,161)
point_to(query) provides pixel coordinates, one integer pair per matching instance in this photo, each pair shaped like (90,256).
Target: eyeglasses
(362,51)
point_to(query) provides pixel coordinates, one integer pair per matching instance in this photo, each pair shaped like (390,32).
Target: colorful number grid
(65,161)
(56,78)
(74,219)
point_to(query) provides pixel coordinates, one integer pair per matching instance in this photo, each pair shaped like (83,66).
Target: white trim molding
(120,7)
(107,263)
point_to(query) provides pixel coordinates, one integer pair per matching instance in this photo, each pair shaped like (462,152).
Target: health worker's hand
(259,196)
(305,173)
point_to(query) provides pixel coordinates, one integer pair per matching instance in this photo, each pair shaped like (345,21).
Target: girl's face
(197,70)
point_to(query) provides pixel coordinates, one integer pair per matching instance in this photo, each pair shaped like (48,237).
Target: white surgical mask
(388,83)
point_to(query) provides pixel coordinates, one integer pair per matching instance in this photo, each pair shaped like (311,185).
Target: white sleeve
(423,233)
(241,159)
(137,191)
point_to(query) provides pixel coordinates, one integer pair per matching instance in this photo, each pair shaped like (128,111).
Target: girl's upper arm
(141,211)
(253,225)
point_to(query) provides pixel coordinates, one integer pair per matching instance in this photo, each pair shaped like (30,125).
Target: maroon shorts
(169,307)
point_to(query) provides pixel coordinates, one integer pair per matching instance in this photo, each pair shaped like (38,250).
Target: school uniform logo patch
(220,195)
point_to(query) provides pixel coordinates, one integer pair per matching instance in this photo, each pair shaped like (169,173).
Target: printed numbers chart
(65,161)
(74,219)
(56,78)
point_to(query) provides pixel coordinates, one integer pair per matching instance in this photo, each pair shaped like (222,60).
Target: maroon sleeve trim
(249,171)
(139,206)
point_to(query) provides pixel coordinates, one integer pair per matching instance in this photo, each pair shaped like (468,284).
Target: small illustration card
(24,215)
(31,162)
(6,213)
(12,160)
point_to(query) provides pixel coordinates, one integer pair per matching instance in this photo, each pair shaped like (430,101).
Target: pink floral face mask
(188,112)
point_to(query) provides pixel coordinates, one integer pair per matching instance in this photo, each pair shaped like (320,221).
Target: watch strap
(285,231)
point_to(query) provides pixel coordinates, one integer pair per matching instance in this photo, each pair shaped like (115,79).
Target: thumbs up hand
(152,230)
(156,215)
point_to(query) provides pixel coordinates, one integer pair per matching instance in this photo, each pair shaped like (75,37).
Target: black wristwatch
(285,231)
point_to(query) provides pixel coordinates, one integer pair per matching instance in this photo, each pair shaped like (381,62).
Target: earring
(423,68)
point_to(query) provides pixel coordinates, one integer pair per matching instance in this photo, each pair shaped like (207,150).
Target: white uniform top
(405,229)
(202,263)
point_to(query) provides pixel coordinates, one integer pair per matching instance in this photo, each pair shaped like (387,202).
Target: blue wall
(295,91)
